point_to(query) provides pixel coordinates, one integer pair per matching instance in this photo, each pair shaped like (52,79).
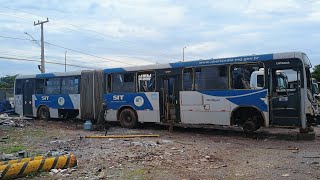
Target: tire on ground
(128,118)
(249,126)
(44,113)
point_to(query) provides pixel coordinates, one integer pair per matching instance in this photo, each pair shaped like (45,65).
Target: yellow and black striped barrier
(24,168)
(22,160)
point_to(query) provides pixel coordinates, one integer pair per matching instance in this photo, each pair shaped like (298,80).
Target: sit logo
(138,101)
(61,101)
(117,97)
(45,98)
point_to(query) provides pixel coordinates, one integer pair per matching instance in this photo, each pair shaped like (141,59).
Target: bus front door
(284,97)
(28,90)
(169,95)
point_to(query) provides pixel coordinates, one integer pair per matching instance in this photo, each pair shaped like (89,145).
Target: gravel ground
(186,153)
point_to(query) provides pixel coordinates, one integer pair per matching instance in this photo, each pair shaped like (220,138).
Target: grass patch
(12,149)
(135,174)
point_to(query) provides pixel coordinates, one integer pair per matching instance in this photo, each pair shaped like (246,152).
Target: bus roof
(250,58)
(49,75)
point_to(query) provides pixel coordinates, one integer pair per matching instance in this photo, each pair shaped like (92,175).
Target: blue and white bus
(248,91)
(59,95)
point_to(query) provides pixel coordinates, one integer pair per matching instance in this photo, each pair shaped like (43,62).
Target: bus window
(260,81)
(146,82)
(241,75)
(18,87)
(211,77)
(52,86)
(39,86)
(108,83)
(287,80)
(188,79)
(70,85)
(123,82)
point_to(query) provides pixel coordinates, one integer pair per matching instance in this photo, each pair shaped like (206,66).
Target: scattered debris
(311,156)
(292,148)
(124,136)
(13,123)
(285,175)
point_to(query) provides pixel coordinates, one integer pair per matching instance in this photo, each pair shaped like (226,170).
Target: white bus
(248,91)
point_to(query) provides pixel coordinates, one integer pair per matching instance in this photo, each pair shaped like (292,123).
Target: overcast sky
(125,33)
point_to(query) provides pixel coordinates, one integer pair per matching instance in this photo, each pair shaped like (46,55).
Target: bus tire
(249,127)
(128,118)
(44,113)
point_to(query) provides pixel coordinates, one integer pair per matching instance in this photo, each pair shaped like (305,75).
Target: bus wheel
(128,118)
(249,126)
(44,113)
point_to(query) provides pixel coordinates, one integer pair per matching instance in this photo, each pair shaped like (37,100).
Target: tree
(316,72)
(7,81)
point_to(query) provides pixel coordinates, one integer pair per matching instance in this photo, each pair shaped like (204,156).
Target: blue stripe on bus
(114,70)
(253,58)
(242,97)
(46,75)
(116,100)
(52,101)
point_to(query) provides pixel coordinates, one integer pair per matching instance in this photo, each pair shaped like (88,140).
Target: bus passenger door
(28,90)
(169,103)
(284,97)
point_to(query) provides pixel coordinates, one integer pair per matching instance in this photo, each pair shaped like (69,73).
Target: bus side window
(242,76)
(146,81)
(108,83)
(70,85)
(52,86)
(211,78)
(18,87)
(39,86)
(188,84)
(123,82)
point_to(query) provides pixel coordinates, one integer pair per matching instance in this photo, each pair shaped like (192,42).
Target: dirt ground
(187,153)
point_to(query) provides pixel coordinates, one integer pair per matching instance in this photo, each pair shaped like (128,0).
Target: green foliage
(7,81)
(316,73)
(12,149)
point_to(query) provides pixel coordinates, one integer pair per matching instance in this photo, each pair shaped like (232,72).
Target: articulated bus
(248,91)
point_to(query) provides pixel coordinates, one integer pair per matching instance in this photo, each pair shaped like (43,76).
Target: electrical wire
(133,44)
(49,62)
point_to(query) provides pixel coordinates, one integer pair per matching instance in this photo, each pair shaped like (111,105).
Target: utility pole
(183,53)
(65,61)
(42,69)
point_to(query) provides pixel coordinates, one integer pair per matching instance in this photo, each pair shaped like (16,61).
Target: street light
(183,53)
(34,40)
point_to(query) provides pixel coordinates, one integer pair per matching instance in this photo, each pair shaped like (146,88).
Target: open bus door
(169,102)
(27,91)
(284,97)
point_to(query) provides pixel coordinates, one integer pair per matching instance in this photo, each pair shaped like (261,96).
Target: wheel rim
(128,118)
(43,113)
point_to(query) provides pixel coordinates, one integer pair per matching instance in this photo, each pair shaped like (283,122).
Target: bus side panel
(111,115)
(56,102)
(200,108)
(146,105)
(18,104)
(75,98)
(250,98)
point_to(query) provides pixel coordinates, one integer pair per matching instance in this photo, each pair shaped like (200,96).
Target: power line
(86,34)
(49,62)
(77,51)
(66,48)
